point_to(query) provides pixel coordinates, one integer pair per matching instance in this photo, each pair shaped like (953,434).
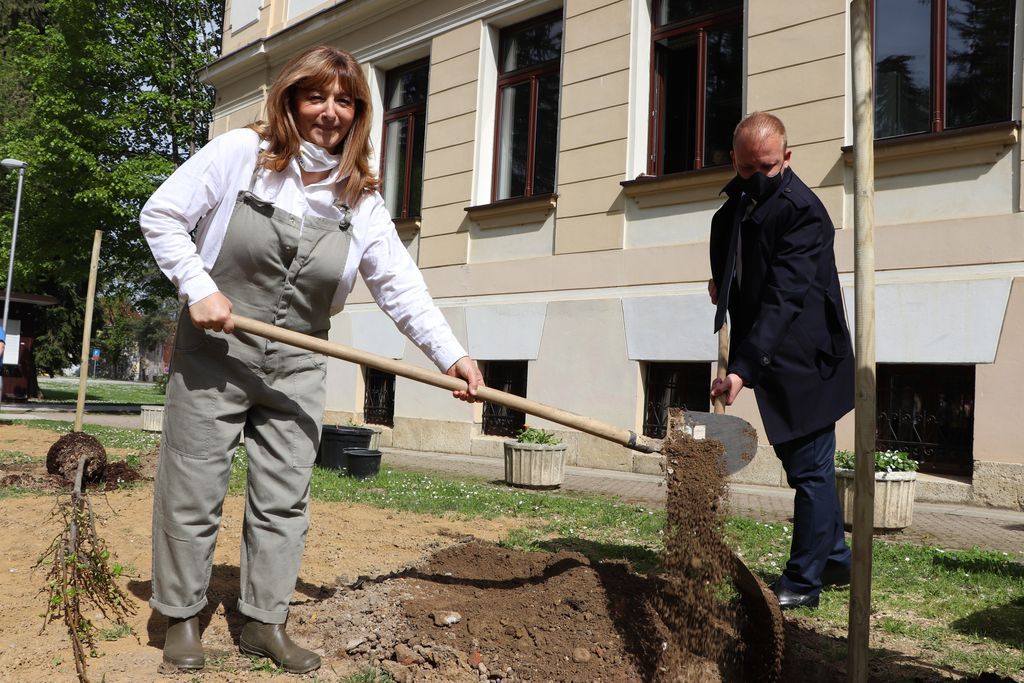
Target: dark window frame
(912,416)
(529,75)
(937,71)
(408,112)
(383,414)
(691,381)
(511,376)
(699,25)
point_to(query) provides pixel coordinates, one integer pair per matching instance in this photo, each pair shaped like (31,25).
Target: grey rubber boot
(182,647)
(270,640)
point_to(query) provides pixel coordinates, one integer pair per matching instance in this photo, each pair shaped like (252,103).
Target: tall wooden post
(83,372)
(864,294)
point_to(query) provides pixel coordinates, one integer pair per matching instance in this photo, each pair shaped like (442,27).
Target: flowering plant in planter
(538,436)
(536,459)
(895,486)
(885,461)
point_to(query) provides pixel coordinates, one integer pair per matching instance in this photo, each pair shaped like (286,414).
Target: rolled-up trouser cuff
(178,612)
(261,614)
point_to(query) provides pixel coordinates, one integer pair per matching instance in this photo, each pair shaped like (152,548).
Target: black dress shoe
(791,599)
(835,575)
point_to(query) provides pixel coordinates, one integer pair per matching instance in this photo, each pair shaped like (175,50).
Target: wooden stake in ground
(864,293)
(83,372)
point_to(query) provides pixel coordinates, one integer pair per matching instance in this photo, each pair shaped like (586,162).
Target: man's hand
(727,388)
(465,368)
(212,313)
(713,291)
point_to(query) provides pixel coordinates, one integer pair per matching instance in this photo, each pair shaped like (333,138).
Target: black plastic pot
(334,441)
(363,463)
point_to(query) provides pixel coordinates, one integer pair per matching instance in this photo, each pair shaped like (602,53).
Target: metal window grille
(508,376)
(928,411)
(379,399)
(674,385)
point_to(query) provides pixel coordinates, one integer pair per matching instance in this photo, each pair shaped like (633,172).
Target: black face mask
(759,186)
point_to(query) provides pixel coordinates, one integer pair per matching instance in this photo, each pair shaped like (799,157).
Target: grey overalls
(281,269)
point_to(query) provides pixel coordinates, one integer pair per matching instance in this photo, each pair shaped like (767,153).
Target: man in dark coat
(773,269)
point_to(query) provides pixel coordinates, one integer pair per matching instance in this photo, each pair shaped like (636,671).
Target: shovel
(739,438)
(624,437)
(735,433)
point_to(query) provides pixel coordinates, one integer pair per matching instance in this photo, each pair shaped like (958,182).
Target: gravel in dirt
(477,612)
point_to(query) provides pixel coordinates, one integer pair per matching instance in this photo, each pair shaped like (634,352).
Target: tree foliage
(108,104)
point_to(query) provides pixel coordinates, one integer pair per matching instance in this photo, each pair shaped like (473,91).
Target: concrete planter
(533,465)
(152,418)
(894,498)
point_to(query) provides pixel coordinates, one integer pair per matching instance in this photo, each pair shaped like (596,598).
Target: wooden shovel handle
(618,435)
(723,364)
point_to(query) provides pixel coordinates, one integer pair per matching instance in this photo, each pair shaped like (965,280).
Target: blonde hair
(316,68)
(759,125)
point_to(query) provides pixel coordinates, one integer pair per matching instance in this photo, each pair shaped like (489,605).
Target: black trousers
(809,462)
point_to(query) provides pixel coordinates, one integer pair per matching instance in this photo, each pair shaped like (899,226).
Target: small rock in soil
(406,656)
(581,655)
(446,618)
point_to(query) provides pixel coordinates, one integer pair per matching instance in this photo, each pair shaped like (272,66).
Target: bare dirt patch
(427,599)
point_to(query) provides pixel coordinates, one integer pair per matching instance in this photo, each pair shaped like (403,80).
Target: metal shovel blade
(735,433)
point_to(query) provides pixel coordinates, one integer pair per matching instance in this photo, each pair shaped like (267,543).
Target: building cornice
(331,24)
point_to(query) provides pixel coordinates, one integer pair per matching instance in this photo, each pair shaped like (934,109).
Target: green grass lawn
(100,391)
(963,609)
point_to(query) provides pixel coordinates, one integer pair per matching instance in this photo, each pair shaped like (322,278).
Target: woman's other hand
(213,313)
(465,369)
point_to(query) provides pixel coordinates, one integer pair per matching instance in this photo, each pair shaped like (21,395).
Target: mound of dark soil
(477,612)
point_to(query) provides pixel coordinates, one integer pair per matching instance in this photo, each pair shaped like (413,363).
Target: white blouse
(200,195)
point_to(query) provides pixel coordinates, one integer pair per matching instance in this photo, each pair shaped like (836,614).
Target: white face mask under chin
(314,158)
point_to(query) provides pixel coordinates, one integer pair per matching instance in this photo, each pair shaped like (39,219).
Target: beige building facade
(587,290)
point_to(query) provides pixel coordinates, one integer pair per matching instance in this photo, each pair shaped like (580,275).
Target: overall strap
(255,171)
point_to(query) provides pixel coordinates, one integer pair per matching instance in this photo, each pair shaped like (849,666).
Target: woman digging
(285,213)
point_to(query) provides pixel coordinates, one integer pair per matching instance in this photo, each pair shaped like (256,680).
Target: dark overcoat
(789,339)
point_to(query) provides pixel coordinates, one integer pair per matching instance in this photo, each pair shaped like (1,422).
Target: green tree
(117,339)
(111,105)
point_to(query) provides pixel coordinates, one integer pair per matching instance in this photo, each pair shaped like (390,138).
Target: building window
(405,118)
(674,385)
(928,411)
(696,83)
(529,75)
(379,399)
(942,64)
(508,376)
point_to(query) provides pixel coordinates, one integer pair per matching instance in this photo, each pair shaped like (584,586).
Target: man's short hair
(760,125)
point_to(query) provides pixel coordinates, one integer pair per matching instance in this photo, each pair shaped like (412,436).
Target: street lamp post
(21,166)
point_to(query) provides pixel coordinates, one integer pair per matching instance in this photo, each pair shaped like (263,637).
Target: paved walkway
(945,526)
